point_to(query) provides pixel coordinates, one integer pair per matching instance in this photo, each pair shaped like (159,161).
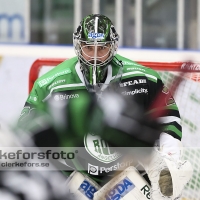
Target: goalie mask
(95,43)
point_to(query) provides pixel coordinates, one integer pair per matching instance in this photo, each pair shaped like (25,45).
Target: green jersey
(66,82)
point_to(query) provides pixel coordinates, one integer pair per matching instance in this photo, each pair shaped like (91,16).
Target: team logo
(99,149)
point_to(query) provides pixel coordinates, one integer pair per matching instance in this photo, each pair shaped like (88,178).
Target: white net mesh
(187,98)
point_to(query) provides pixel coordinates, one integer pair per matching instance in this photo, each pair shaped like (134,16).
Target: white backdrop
(15,21)
(16,60)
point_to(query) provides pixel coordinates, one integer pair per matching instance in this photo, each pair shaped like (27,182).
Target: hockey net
(187,97)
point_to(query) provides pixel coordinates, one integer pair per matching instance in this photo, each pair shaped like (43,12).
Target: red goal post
(160,66)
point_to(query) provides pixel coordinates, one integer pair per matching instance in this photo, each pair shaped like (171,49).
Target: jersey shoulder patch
(136,69)
(130,65)
(66,67)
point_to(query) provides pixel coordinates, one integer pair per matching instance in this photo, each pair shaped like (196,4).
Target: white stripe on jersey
(139,72)
(169,119)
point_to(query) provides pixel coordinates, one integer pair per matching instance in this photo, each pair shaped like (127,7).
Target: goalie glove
(170,146)
(167,173)
(127,185)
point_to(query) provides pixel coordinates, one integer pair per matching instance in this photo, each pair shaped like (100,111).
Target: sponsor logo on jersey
(87,189)
(135,82)
(92,169)
(33,98)
(56,82)
(61,97)
(45,81)
(146,191)
(120,189)
(96,170)
(99,149)
(136,91)
(124,62)
(136,68)
(96,35)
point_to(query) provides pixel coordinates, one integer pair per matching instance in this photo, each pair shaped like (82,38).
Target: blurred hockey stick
(135,122)
(162,98)
(144,129)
